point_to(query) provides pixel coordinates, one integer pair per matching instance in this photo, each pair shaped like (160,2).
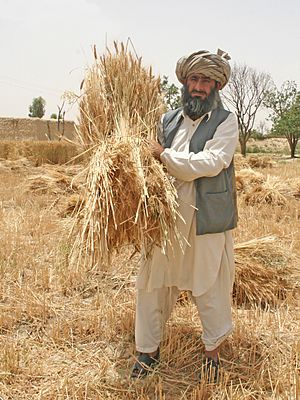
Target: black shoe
(210,370)
(144,365)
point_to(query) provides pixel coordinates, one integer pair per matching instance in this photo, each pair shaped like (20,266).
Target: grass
(69,334)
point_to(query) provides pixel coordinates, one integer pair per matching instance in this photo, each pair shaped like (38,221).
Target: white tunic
(195,266)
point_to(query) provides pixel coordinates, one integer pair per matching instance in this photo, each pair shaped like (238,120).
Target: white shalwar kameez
(203,264)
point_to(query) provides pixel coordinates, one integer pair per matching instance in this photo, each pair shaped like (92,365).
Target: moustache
(198,92)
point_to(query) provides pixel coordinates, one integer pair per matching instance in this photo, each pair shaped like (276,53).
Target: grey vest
(215,196)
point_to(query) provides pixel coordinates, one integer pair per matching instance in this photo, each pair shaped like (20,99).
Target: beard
(195,107)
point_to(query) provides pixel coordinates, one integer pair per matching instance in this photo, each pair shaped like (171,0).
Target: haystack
(247,178)
(272,192)
(240,162)
(255,161)
(295,188)
(56,180)
(129,198)
(266,271)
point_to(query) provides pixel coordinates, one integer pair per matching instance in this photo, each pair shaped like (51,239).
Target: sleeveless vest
(215,196)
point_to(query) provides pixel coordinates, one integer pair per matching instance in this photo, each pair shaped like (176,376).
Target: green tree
(288,125)
(53,116)
(171,93)
(283,104)
(37,107)
(278,101)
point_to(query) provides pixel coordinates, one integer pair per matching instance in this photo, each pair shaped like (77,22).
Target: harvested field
(69,334)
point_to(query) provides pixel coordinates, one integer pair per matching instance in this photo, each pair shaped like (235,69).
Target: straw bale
(255,161)
(296,189)
(272,191)
(56,180)
(266,271)
(21,164)
(246,178)
(240,162)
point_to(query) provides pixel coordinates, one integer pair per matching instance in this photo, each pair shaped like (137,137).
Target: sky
(46,45)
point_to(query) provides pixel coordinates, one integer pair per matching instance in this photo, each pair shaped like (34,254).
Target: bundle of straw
(272,191)
(117,87)
(129,198)
(55,179)
(246,178)
(260,161)
(240,162)
(296,191)
(265,271)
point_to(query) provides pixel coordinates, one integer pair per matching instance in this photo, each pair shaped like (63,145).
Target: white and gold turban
(215,66)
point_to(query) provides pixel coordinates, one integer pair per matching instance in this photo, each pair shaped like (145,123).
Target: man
(197,144)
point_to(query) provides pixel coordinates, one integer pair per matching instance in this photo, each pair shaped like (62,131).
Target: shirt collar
(199,119)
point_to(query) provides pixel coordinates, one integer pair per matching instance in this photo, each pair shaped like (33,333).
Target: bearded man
(196,144)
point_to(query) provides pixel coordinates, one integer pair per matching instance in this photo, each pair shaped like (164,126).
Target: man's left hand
(155,148)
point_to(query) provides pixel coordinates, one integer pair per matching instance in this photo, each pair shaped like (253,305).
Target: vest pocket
(217,211)
(216,193)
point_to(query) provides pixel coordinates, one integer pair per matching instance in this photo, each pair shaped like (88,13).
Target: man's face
(199,95)
(200,86)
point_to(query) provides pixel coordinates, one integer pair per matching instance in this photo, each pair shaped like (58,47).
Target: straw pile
(272,191)
(296,191)
(252,161)
(260,161)
(247,178)
(240,162)
(265,273)
(129,199)
(57,180)
(21,164)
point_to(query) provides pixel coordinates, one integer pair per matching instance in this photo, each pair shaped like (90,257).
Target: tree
(61,117)
(245,93)
(53,116)
(289,125)
(37,107)
(172,95)
(280,100)
(285,113)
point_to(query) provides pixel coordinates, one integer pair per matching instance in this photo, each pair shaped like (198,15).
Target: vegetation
(285,113)
(37,107)
(289,126)
(69,334)
(245,93)
(172,95)
(67,327)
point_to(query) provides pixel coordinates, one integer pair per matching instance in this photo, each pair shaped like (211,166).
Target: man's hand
(155,148)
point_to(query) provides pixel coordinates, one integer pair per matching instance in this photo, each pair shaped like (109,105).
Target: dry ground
(69,334)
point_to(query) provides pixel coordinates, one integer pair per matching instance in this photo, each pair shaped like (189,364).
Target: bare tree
(245,93)
(61,119)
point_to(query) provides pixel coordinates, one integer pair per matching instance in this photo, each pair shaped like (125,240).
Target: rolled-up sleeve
(216,155)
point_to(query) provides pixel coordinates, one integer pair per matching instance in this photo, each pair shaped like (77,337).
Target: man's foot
(210,370)
(144,365)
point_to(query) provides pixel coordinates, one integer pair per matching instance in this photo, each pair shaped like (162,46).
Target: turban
(214,66)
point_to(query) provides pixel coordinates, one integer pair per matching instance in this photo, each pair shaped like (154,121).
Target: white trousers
(154,308)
